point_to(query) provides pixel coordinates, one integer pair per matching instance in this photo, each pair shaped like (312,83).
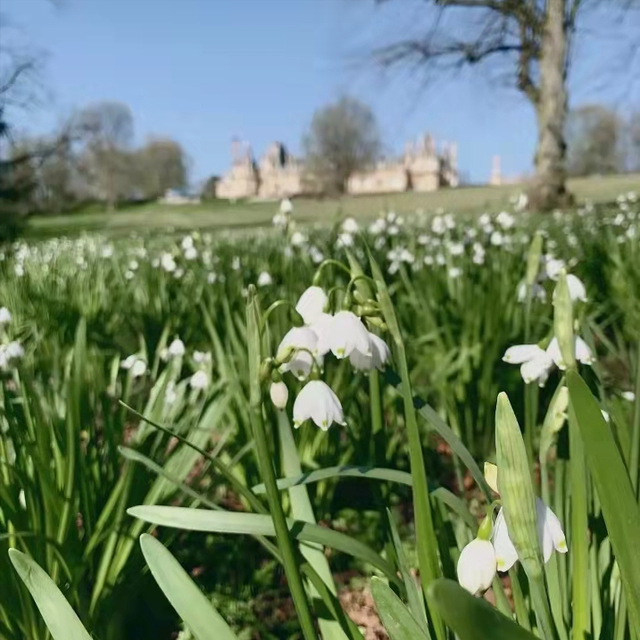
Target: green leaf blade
(396,618)
(619,507)
(61,620)
(183,594)
(472,618)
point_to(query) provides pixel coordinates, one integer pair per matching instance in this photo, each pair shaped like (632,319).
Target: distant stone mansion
(423,167)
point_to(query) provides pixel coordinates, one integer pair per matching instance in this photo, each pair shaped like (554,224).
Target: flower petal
(476,566)
(521,353)
(312,304)
(552,527)
(506,554)
(583,352)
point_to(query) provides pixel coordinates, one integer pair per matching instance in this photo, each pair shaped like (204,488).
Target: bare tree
(19,87)
(594,139)
(107,128)
(343,138)
(534,38)
(162,165)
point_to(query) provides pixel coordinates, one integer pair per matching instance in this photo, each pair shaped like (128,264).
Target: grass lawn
(243,214)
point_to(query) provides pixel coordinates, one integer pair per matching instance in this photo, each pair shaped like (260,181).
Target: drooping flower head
(319,403)
(312,304)
(344,334)
(297,352)
(550,535)
(378,358)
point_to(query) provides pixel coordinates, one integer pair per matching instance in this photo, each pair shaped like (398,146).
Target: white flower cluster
(536,362)
(10,350)
(493,550)
(303,349)
(199,380)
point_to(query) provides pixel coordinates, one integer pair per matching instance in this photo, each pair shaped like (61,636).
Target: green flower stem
(377,425)
(326,263)
(267,471)
(540,603)
(277,304)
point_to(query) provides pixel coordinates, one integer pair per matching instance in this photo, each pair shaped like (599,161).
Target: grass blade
(619,507)
(184,595)
(60,618)
(472,618)
(390,475)
(396,618)
(258,524)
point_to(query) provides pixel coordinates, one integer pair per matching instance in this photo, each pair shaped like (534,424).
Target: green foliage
(183,457)
(615,491)
(473,618)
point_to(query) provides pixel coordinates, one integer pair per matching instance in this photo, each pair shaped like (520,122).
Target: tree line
(92,158)
(601,140)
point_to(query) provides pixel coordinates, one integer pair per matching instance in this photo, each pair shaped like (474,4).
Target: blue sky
(204,71)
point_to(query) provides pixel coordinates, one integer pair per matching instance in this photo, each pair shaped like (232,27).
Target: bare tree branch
(15,74)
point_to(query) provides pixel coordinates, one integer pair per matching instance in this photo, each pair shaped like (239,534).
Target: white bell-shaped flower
(380,355)
(550,535)
(297,350)
(14,350)
(286,206)
(199,380)
(319,403)
(176,348)
(139,368)
(521,353)
(321,323)
(553,267)
(582,352)
(577,290)
(536,363)
(344,335)
(477,566)
(279,394)
(312,304)
(5,316)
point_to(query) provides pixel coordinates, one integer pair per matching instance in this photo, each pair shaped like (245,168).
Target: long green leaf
(446,433)
(415,598)
(344,471)
(472,618)
(258,524)
(619,507)
(396,618)
(372,473)
(184,595)
(60,618)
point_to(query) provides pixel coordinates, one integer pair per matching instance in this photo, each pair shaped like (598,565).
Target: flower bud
(279,394)
(563,321)
(516,488)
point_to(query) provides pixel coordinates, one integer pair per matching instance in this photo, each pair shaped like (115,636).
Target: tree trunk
(548,189)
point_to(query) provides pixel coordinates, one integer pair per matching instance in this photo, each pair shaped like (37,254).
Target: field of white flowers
(227,435)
